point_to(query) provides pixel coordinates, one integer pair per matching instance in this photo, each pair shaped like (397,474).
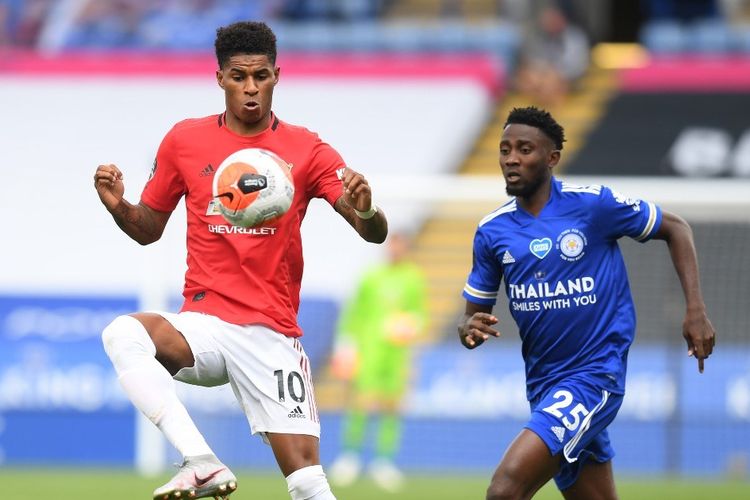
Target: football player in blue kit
(554,245)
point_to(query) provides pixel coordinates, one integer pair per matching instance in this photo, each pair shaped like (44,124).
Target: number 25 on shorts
(573,418)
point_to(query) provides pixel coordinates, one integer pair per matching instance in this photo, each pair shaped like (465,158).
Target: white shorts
(268,372)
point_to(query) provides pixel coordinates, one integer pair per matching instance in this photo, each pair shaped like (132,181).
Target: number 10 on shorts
(293,379)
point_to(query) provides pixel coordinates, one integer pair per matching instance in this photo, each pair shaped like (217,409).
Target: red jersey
(241,275)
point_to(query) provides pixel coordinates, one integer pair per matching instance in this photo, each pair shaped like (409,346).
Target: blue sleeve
(486,273)
(621,216)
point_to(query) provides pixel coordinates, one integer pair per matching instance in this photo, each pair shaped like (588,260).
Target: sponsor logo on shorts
(296,413)
(559,432)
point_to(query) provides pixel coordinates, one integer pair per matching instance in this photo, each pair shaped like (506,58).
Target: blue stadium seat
(404,36)
(363,37)
(321,36)
(741,36)
(449,36)
(664,37)
(503,40)
(711,36)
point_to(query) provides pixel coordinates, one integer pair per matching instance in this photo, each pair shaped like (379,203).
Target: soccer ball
(253,187)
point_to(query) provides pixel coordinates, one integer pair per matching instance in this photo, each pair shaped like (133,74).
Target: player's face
(398,246)
(526,159)
(248,81)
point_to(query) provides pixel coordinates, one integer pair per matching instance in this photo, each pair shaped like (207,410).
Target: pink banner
(689,74)
(483,69)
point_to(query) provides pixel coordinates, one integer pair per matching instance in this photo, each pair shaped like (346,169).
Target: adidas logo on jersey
(296,413)
(207,171)
(508,258)
(559,432)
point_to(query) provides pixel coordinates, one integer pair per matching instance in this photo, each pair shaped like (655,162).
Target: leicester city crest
(572,243)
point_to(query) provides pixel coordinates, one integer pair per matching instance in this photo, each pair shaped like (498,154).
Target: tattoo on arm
(346,211)
(138,222)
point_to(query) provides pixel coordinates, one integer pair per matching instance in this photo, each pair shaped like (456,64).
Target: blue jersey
(566,281)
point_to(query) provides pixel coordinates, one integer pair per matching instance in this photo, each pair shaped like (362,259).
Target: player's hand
(700,336)
(476,329)
(109,185)
(357,192)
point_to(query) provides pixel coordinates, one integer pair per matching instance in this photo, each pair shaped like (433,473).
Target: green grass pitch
(77,484)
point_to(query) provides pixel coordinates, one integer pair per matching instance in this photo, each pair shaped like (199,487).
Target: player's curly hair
(538,118)
(245,37)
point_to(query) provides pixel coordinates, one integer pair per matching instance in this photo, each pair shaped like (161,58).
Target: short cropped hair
(538,118)
(245,37)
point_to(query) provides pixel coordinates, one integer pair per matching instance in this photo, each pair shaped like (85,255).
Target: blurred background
(654,97)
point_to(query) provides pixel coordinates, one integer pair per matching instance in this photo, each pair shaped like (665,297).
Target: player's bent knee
(506,486)
(498,491)
(309,483)
(124,335)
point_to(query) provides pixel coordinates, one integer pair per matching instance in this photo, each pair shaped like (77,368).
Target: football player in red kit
(238,322)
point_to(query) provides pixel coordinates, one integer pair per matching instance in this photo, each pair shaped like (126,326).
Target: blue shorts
(572,418)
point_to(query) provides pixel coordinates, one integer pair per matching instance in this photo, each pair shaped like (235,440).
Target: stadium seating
(706,36)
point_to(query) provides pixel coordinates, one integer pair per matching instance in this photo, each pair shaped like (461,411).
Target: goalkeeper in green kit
(377,330)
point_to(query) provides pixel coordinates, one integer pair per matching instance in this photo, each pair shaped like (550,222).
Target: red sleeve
(326,169)
(165,185)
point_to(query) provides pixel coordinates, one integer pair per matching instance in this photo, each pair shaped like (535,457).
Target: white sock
(149,385)
(309,483)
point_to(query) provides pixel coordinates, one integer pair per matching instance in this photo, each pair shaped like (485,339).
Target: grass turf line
(92,484)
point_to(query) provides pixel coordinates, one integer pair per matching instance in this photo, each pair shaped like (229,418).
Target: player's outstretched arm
(697,328)
(355,205)
(476,325)
(145,225)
